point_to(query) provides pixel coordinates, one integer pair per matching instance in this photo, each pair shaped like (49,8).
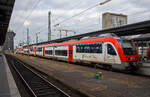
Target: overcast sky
(33,14)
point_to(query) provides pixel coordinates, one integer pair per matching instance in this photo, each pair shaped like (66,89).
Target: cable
(34,6)
(92,24)
(22,12)
(139,12)
(85,27)
(75,6)
(82,23)
(70,17)
(78,14)
(41,27)
(83,11)
(31,11)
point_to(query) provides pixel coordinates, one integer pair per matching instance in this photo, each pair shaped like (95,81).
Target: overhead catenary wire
(82,12)
(82,28)
(81,23)
(77,14)
(73,7)
(73,26)
(88,8)
(76,6)
(87,14)
(92,24)
(33,8)
(78,21)
(41,27)
(22,13)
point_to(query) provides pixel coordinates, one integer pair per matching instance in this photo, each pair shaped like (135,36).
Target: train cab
(129,57)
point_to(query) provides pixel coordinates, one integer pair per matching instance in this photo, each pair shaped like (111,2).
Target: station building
(9,42)
(111,20)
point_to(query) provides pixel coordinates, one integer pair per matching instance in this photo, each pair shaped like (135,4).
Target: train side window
(96,48)
(77,49)
(31,49)
(61,52)
(99,48)
(87,49)
(111,50)
(82,49)
(48,52)
(39,49)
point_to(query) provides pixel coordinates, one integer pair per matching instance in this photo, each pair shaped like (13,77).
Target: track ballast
(38,86)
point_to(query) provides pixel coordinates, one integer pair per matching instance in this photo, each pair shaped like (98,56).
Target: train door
(28,51)
(43,51)
(110,54)
(34,50)
(70,53)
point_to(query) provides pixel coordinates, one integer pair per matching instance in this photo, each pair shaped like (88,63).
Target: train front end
(130,58)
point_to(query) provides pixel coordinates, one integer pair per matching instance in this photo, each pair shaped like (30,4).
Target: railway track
(37,85)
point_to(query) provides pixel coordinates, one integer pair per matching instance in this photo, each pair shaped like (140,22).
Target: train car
(108,52)
(49,52)
(19,51)
(32,50)
(26,51)
(40,51)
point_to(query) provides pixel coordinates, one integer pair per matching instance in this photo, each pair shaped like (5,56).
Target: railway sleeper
(48,94)
(38,89)
(39,85)
(38,82)
(46,90)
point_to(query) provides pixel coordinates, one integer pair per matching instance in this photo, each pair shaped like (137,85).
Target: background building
(110,20)
(9,42)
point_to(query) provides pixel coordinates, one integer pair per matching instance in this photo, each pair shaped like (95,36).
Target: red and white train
(106,51)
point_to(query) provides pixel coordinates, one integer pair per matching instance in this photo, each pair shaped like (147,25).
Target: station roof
(6,7)
(145,37)
(125,30)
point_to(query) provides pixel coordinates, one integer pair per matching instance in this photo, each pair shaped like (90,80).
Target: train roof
(101,36)
(95,40)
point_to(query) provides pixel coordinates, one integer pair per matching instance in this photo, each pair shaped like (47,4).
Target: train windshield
(128,47)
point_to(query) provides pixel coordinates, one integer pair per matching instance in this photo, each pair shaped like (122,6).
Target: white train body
(98,51)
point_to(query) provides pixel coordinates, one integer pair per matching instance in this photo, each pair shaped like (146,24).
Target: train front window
(128,47)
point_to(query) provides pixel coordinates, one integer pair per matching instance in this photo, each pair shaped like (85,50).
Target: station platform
(145,69)
(8,87)
(111,84)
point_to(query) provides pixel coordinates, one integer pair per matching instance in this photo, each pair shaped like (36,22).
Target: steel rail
(38,85)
